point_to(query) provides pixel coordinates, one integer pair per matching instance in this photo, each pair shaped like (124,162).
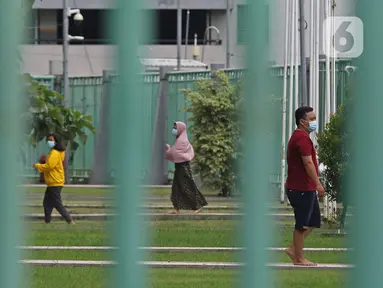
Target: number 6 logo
(344,39)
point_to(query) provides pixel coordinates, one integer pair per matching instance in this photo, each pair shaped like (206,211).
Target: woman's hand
(34,166)
(167,147)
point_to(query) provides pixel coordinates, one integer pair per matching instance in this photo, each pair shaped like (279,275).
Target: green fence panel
(84,95)
(147,93)
(177,100)
(31,155)
(47,81)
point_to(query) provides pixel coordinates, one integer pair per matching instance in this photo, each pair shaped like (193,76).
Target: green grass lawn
(196,238)
(173,233)
(209,233)
(160,192)
(76,210)
(185,278)
(320,257)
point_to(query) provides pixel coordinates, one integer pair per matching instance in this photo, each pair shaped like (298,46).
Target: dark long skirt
(185,194)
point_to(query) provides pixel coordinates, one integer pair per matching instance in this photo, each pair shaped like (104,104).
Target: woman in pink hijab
(185,194)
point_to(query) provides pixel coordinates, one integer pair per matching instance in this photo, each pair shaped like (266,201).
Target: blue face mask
(51,144)
(174,132)
(312,126)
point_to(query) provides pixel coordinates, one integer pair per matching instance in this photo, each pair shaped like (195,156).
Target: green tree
(216,126)
(44,113)
(334,152)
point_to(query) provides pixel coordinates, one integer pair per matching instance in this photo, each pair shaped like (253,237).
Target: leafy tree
(334,152)
(44,113)
(216,126)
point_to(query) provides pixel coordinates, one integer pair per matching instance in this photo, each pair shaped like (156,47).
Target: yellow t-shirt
(53,169)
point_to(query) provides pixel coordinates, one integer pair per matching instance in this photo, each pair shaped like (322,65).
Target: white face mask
(174,132)
(313,126)
(51,144)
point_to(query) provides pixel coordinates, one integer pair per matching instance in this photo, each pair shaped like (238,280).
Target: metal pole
(296,41)
(283,166)
(187,33)
(179,34)
(11,89)
(228,42)
(304,99)
(258,110)
(127,150)
(311,85)
(292,60)
(316,59)
(367,155)
(65,73)
(333,76)
(328,76)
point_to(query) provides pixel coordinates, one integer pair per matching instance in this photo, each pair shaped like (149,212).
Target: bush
(334,153)
(331,153)
(214,106)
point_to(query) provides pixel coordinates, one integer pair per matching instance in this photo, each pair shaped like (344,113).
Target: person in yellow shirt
(54,175)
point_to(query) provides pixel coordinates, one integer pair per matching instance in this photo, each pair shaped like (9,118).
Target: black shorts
(306,209)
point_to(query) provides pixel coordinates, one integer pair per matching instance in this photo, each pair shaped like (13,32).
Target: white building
(96,53)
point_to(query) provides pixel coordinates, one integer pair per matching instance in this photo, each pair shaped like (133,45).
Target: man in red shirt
(302,183)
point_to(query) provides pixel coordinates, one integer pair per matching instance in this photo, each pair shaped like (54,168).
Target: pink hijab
(182,150)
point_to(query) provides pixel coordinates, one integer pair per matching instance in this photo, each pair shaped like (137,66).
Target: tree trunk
(224,192)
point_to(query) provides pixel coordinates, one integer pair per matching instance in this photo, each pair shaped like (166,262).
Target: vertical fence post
(10,142)
(257,163)
(101,165)
(157,173)
(367,152)
(126,129)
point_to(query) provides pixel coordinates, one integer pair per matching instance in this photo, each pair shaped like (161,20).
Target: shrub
(216,126)
(334,153)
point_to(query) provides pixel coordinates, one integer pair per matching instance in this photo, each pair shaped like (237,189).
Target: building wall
(92,59)
(146,4)
(277,25)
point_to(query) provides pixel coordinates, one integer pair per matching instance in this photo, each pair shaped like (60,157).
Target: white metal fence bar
(171,264)
(174,249)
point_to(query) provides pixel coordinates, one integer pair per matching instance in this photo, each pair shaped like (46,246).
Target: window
(165,30)
(94,28)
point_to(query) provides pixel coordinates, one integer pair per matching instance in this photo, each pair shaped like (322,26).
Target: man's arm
(310,169)
(305,149)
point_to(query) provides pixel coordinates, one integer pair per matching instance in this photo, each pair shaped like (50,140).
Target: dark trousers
(52,199)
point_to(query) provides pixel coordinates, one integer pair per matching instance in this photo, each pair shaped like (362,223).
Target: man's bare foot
(197,211)
(290,252)
(174,212)
(72,222)
(304,262)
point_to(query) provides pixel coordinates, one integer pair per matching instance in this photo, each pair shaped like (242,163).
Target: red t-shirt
(300,145)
